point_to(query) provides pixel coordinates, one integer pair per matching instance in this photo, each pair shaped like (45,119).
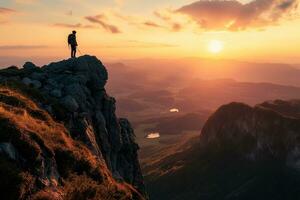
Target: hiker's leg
(75,50)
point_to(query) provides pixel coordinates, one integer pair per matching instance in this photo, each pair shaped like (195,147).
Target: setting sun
(215,46)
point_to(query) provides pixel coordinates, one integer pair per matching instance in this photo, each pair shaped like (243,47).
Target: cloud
(172,26)
(4,11)
(159,21)
(152,24)
(233,15)
(21,47)
(161,15)
(127,18)
(176,27)
(141,21)
(78,25)
(173,21)
(100,19)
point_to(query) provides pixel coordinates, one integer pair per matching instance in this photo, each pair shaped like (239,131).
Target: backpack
(70,39)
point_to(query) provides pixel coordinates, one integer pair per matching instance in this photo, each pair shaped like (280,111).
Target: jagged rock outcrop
(127,169)
(243,152)
(269,131)
(72,92)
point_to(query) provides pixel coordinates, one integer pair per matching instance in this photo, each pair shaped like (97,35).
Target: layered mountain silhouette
(60,137)
(243,152)
(160,85)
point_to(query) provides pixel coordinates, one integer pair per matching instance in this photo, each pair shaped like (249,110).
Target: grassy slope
(210,176)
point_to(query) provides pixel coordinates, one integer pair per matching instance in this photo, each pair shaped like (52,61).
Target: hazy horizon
(19,61)
(254,31)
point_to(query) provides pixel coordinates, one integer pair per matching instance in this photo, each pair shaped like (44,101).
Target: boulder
(36,84)
(70,103)
(77,91)
(56,93)
(33,83)
(29,66)
(38,76)
(27,81)
(13,68)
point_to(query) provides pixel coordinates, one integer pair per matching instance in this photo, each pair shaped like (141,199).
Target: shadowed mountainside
(243,153)
(60,137)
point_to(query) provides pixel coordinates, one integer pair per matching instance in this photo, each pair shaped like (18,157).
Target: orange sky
(261,30)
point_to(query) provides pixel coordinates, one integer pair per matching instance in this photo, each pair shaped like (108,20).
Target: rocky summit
(60,137)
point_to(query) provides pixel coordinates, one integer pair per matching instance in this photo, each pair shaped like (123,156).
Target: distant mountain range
(158,86)
(213,82)
(147,89)
(279,73)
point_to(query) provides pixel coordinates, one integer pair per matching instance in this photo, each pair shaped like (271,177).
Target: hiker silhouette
(73,43)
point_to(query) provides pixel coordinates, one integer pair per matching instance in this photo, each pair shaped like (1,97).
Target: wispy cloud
(161,15)
(152,24)
(5,14)
(101,20)
(78,25)
(6,10)
(131,19)
(233,15)
(21,47)
(171,19)
(176,27)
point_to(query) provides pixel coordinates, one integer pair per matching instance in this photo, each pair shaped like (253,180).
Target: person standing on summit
(73,43)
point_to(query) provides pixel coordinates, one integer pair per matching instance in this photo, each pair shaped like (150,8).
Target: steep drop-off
(60,137)
(243,153)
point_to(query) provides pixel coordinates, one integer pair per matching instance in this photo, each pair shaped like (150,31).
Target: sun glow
(215,46)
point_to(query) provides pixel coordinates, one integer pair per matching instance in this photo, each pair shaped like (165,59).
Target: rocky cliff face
(73,93)
(243,153)
(269,131)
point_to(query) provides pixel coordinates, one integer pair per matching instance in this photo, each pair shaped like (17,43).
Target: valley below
(176,165)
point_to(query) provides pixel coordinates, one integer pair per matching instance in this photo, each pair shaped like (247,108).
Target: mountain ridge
(69,94)
(243,152)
